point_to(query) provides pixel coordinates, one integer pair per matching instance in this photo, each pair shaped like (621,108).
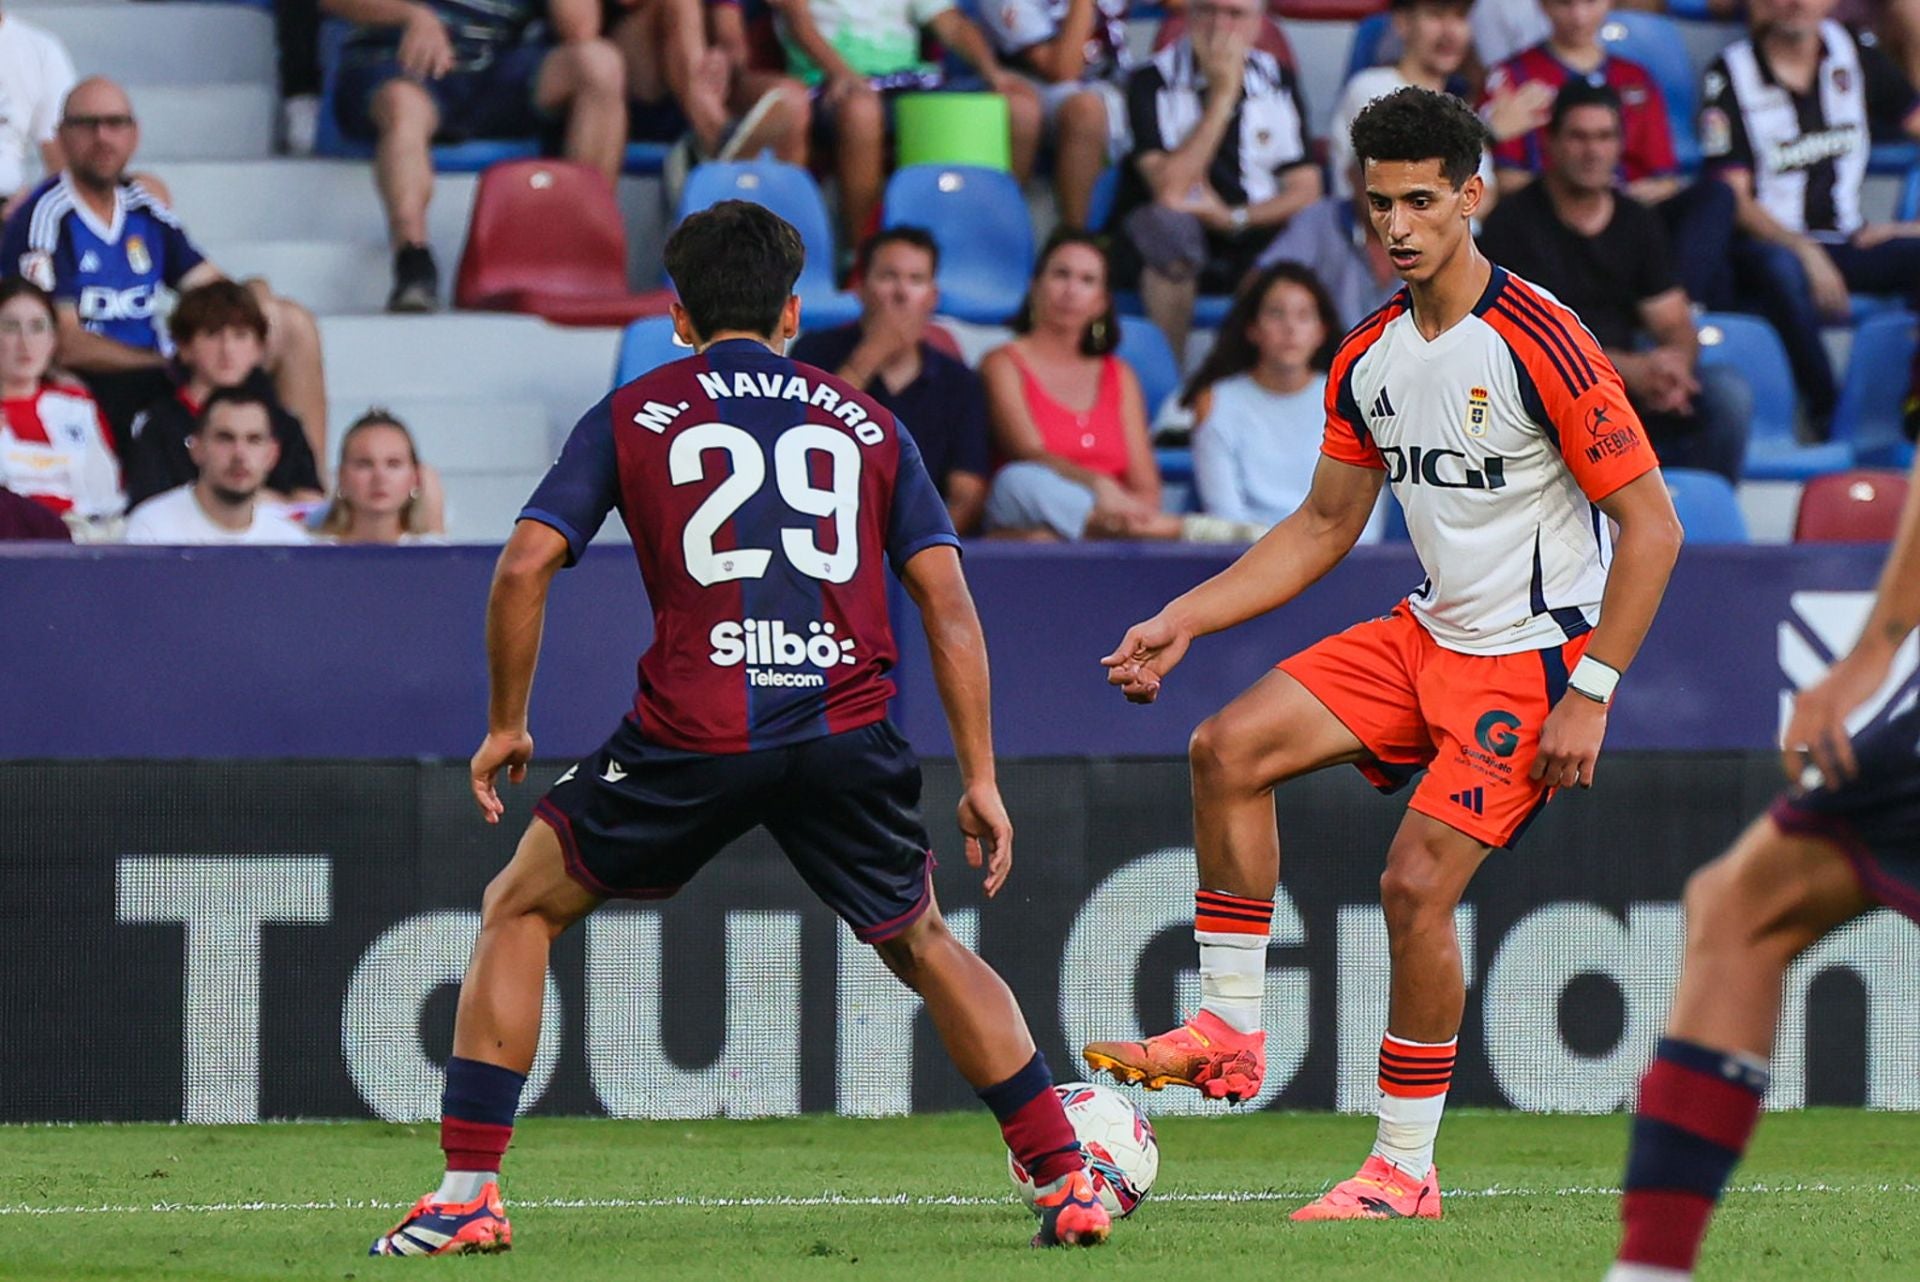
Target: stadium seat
(1178,493)
(1749,345)
(1653,41)
(1873,396)
(646,345)
(547,239)
(1144,347)
(980,219)
(1106,191)
(1907,208)
(1373,43)
(1693,10)
(1706,506)
(790,191)
(1328,10)
(1851,507)
(1893,157)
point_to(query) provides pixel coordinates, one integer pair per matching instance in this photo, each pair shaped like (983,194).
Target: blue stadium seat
(1706,506)
(1693,10)
(1893,157)
(980,218)
(1178,493)
(1908,207)
(1749,345)
(1106,190)
(1208,309)
(1873,395)
(1144,347)
(789,191)
(1371,42)
(1653,41)
(646,345)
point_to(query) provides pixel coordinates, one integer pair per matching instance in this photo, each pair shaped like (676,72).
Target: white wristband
(1594,679)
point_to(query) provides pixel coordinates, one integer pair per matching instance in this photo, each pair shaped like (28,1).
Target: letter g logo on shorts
(1495,732)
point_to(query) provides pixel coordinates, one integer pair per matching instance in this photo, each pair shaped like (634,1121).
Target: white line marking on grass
(840,1200)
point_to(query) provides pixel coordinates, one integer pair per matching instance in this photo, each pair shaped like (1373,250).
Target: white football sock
(1407,1131)
(1409,1122)
(464,1186)
(1624,1272)
(1233,977)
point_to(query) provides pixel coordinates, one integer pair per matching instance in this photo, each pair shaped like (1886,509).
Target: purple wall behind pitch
(378,653)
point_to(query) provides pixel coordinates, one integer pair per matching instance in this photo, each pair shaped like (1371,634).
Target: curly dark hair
(1419,124)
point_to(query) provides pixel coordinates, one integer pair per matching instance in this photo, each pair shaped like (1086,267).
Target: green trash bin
(952,129)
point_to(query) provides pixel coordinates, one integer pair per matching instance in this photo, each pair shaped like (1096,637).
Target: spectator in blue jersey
(420,71)
(107,248)
(886,354)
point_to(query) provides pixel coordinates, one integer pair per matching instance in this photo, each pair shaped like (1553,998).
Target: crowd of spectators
(208,418)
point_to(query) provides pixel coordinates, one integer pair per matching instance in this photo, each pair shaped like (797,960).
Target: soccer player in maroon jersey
(765,500)
(1843,840)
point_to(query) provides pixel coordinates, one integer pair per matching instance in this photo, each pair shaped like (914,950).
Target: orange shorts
(1472,721)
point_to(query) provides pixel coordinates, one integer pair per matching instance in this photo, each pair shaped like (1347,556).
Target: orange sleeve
(1572,390)
(1347,439)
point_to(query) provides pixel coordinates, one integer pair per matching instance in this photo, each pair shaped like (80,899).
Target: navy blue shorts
(1873,818)
(637,821)
(494,101)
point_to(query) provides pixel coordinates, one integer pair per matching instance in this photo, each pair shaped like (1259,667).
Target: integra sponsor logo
(764,644)
(1809,150)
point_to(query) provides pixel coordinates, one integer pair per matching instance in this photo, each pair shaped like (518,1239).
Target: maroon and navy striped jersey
(764,499)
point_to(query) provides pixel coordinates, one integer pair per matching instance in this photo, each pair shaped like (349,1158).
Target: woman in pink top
(1068,417)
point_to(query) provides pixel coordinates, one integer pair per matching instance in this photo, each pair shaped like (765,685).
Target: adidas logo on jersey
(1474,799)
(89,262)
(763,643)
(1382,407)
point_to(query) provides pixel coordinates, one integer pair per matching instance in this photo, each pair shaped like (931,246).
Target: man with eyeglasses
(107,248)
(1219,165)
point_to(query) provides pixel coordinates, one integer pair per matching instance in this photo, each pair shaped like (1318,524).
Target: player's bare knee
(1213,757)
(1413,893)
(909,953)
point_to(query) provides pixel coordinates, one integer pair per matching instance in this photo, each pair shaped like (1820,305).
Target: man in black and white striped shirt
(1789,117)
(1219,160)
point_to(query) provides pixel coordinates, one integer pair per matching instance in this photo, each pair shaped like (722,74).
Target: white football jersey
(1499,438)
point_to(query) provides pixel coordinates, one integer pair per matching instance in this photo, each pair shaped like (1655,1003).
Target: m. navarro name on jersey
(657,416)
(766,643)
(1448,469)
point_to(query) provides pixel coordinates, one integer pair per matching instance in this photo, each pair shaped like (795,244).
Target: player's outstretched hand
(989,833)
(501,748)
(1144,656)
(1570,742)
(1816,734)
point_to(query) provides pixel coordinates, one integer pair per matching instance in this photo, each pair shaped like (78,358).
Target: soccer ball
(1122,1154)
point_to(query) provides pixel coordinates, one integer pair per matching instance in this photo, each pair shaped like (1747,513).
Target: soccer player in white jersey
(1507,438)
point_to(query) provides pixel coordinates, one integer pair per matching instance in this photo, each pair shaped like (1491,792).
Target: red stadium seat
(547,239)
(1328,10)
(1861,506)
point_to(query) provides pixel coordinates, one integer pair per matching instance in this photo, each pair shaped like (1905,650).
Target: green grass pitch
(1824,1194)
